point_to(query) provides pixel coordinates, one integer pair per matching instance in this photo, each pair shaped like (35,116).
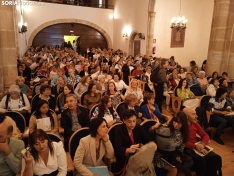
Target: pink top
(194,129)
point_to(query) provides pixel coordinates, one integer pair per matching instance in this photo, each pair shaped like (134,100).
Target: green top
(11,164)
(187,94)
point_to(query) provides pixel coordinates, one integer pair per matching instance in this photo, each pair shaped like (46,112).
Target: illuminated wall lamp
(23,28)
(125,35)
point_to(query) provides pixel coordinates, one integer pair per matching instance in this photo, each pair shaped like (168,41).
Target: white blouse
(55,162)
(120,85)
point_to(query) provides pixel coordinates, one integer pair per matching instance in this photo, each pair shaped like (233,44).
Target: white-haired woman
(202,81)
(134,89)
(16,101)
(24,88)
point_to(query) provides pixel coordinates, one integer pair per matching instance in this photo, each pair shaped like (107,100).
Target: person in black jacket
(131,101)
(128,138)
(85,71)
(45,94)
(159,78)
(73,118)
(126,71)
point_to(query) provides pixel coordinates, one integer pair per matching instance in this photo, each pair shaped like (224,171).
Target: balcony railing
(107,4)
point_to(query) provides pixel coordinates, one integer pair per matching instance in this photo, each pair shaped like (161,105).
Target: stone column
(150,27)
(221,39)
(8,48)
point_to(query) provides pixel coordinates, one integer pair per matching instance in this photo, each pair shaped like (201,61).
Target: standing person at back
(159,77)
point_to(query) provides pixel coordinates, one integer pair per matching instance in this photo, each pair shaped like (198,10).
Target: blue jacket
(145,112)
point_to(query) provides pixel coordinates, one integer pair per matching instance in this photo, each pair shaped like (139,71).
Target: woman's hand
(105,138)
(179,159)
(28,158)
(139,114)
(224,112)
(133,148)
(152,108)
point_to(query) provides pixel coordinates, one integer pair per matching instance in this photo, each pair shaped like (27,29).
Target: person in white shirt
(15,100)
(43,156)
(120,84)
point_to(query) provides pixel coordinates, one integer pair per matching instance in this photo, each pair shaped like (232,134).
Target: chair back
(34,88)
(111,132)
(75,140)
(118,107)
(142,103)
(57,102)
(82,97)
(19,120)
(54,137)
(147,124)
(74,87)
(204,100)
(175,91)
(92,110)
(33,99)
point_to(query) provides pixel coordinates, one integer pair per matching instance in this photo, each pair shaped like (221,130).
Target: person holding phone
(128,138)
(44,156)
(173,160)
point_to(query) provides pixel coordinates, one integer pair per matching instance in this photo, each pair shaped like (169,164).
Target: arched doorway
(58,21)
(134,43)
(57,33)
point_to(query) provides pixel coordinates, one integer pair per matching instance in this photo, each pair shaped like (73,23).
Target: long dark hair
(181,83)
(181,118)
(37,113)
(108,90)
(40,135)
(104,101)
(62,98)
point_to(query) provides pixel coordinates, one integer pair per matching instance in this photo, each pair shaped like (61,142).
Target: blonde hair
(19,78)
(130,85)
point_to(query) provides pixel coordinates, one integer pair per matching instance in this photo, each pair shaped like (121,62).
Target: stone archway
(87,23)
(131,41)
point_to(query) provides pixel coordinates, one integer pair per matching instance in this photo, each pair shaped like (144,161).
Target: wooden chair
(82,97)
(57,109)
(130,78)
(147,124)
(141,85)
(75,140)
(176,101)
(19,120)
(92,110)
(118,107)
(34,88)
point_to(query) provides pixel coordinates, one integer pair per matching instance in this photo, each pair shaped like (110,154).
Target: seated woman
(225,76)
(146,78)
(115,95)
(219,116)
(91,98)
(44,157)
(179,129)
(45,94)
(16,101)
(212,87)
(202,81)
(68,89)
(23,87)
(37,87)
(60,72)
(191,81)
(82,86)
(138,71)
(224,83)
(214,75)
(73,78)
(101,84)
(134,89)
(93,148)
(106,111)
(175,80)
(58,88)
(166,90)
(42,111)
(189,99)
(120,84)
(195,71)
(150,110)
(182,73)
(130,102)
(128,138)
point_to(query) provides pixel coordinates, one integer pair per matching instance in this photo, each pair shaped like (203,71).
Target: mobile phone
(168,162)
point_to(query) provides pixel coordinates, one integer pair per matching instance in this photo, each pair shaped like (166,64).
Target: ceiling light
(71,31)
